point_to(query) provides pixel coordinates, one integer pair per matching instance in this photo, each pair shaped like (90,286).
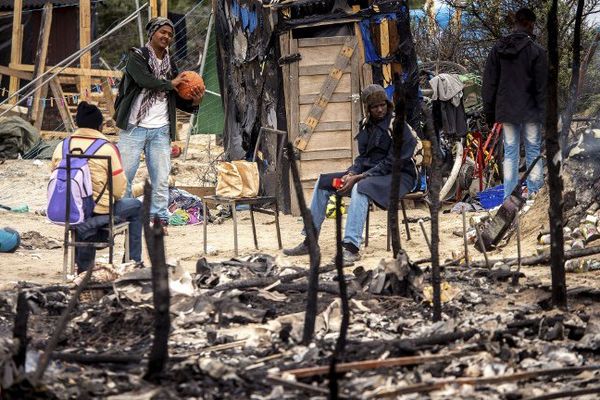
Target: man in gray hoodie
(514,94)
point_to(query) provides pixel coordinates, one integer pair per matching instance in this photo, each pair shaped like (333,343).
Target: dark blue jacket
(376,158)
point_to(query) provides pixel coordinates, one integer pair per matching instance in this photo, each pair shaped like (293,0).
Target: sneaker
(348,258)
(300,250)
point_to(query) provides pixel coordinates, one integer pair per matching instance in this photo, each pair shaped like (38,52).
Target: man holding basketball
(146,112)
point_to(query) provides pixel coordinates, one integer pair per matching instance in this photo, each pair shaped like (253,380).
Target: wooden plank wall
(330,147)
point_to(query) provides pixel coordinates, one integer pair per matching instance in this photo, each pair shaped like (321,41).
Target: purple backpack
(82,201)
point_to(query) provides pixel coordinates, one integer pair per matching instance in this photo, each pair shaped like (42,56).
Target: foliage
(468,39)
(111,12)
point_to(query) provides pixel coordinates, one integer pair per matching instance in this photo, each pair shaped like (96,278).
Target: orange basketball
(191,80)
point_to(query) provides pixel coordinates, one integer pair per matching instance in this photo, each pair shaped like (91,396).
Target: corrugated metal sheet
(27,4)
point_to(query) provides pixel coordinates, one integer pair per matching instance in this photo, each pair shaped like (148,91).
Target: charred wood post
(159,354)
(465,241)
(20,330)
(407,55)
(574,86)
(553,155)
(398,133)
(313,251)
(431,133)
(340,345)
(515,278)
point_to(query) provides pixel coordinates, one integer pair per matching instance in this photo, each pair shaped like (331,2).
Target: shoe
(348,258)
(300,250)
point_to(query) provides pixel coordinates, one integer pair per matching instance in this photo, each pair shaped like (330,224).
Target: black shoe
(300,250)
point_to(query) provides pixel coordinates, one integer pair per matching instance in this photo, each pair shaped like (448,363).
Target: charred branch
(553,155)
(313,248)
(20,330)
(159,354)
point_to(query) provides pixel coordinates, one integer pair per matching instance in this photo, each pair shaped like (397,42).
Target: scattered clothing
(448,105)
(447,87)
(186,208)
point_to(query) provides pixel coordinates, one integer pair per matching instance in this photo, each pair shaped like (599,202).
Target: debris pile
(236,329)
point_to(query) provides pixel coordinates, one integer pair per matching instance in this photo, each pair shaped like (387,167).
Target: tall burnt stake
(340,345)
(20,330)
(398,133)
(159,354)
(314,252)
(554,160)
(435,184)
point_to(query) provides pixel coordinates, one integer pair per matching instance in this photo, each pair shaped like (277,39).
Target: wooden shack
(299,66)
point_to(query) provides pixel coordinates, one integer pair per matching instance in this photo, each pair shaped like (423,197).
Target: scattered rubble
(230,339)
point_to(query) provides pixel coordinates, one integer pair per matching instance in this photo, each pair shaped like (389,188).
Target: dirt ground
(24,182)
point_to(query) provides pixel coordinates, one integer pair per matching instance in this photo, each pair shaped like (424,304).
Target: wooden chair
(413,196)
(70,239)
(268,150)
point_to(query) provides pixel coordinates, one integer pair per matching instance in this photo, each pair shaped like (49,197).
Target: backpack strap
(66,149)
(95,146)
(90,151)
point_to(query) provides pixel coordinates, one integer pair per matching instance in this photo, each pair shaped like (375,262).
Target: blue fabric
(156,145)
(244,13)
(235,9)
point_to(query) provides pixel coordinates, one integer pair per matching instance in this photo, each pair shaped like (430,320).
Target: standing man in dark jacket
(369,177)
(146,112)
(514,94)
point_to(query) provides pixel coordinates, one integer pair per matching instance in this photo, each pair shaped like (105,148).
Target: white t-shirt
(157,116)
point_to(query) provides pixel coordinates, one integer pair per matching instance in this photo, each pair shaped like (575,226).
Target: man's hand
(176,81)
(197,95)
(349,182)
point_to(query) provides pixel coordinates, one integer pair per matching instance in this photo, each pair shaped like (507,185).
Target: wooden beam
(366,72)
(85,37)
(4,70)
(36,113)
(61,104)
(108,97)
(105,73)
(154,10)
(164,8)
(16,46)
(384,46)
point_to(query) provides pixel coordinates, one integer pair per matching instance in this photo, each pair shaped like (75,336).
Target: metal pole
(515,278)
(422,225)
(139,24)
(201,72)
(64,64)
(464,220)
(487,261)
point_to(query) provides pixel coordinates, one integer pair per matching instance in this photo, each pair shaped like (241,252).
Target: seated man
(369,178)
(89,121)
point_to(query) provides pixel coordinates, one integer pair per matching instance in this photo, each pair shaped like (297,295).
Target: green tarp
(210,117)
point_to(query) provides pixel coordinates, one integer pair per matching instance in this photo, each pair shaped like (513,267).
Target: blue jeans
(156,145)
(512,143)
(125,209)
(357,212)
